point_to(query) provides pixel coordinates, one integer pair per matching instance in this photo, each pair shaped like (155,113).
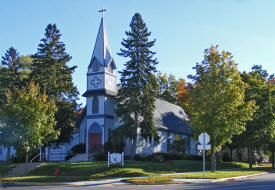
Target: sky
(183,29)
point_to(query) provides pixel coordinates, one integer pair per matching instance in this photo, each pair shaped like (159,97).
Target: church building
(98,117)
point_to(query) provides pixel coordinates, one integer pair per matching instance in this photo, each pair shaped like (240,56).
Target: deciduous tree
(217,104)
(34,116)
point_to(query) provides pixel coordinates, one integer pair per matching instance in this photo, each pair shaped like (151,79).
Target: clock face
(95,82)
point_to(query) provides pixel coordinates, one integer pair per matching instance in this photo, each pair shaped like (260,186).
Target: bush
(101,156)
(159,157)
(80,148)
(70,155)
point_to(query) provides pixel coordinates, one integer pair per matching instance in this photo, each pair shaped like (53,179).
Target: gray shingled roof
(170,117)
(167,116)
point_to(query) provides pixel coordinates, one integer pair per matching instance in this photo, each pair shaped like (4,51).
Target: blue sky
(182,28)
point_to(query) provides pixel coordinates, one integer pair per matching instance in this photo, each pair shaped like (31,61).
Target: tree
(54,76)
(183,96)
(138,85)
(34,115)
(168,87)
(10,71)
(11,77)
(259,131)
(217,104)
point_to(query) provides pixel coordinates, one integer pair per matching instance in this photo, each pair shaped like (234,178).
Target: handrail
(35,157)
(30,165)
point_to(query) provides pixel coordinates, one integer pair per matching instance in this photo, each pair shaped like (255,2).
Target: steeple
(101,75)
(102,51)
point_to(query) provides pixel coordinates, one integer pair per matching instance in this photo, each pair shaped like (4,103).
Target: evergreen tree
(10,71)
(54,76)
(138,87)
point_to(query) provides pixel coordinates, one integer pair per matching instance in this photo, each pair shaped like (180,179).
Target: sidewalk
(117,181)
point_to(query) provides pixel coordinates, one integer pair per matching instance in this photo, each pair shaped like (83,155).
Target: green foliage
(217,103)
(79,148)
(116,141)
(54,76)
(10,73)
(259,133)
(168,87)
(138,85)
(33,114)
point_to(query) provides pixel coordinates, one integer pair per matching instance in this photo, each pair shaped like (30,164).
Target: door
(95,142)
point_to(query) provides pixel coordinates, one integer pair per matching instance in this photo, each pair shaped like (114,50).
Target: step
(79,158)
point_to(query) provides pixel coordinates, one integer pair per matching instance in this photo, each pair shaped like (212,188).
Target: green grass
(98,170)
(5,167)
(199,175)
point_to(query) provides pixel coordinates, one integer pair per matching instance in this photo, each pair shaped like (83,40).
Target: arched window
(95,67)
(95,106)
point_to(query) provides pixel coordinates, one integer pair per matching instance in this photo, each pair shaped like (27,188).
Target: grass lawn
(98,170)
(199,175)
(5,167)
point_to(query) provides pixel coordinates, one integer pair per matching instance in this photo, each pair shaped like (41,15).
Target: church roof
(102,52)
(167,116)
(171,117)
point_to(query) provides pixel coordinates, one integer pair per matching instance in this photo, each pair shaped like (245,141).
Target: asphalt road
(264,182)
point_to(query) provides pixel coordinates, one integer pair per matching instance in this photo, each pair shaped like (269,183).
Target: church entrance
(95,142)
(95,138)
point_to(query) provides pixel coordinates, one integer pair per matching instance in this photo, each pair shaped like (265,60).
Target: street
(264,182)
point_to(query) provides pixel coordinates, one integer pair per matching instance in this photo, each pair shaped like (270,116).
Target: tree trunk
(231,154)
(250,157)
(43,154)
(8,154)
(213,160)
(49,153)
(26,165)
(133,146)
(273,157)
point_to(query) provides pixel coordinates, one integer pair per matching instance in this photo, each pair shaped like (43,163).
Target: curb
(239,177)
(118,181)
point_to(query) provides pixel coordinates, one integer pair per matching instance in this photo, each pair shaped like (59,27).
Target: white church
(98,117)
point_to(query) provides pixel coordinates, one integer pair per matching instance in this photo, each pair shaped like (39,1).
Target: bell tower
(101,92)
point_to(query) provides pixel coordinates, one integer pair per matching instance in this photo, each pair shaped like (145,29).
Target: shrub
(70,155)
(101,156)
(79,148)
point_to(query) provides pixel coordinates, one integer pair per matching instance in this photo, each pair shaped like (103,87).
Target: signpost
(115,158)
(204,140)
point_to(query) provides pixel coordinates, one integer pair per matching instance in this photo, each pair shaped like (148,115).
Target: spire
(102,51)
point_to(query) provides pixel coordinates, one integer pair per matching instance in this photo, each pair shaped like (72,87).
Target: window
(95,106)
(95,67)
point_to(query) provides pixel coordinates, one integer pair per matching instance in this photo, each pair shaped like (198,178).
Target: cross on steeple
(102,12)
(95,82)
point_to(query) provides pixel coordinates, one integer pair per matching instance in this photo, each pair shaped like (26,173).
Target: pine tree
(54,76)
(10,71)
(138,87)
